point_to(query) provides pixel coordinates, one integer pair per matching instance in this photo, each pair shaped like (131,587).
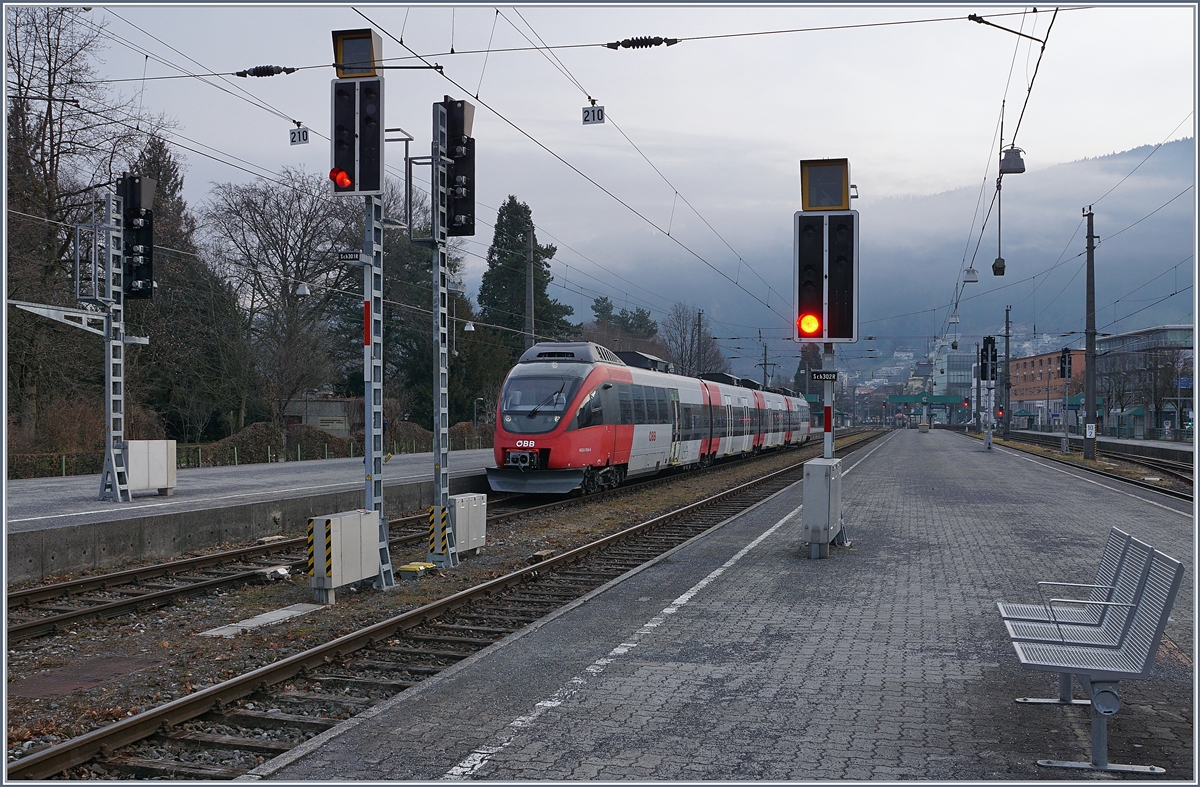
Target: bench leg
(1064,694)
(1108,706)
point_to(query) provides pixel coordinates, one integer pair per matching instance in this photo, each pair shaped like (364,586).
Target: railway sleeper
(490,615)
(145,768)
(309,698)
(275,721)
(360,682)
(454,655)
(208,740)
(475,642)
(395,666)
(481,629)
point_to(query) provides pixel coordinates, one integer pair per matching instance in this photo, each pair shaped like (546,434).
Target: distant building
(336,415)
(1037,388)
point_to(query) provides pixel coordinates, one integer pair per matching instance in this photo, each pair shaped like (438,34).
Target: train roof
(570,352)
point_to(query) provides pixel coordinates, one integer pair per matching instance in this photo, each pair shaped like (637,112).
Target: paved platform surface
(735,657)
(45,503)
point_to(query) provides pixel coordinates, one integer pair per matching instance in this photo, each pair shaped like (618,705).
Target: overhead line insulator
(265,71)
(642,42)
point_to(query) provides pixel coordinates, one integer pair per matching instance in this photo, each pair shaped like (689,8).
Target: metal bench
(1099,669)
(1114,615)
(1101,589)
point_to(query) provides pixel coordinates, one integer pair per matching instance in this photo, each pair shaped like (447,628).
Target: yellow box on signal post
(356,52)
(825,184)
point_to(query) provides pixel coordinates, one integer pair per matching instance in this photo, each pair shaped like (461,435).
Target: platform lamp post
(475,419)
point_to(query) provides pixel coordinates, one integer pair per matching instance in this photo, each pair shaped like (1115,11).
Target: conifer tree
(502,290)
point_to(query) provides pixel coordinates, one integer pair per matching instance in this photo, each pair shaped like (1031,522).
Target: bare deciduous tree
(689,342)
(66,136)
(269,237)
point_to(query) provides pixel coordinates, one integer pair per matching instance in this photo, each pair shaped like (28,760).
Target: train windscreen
(535,396)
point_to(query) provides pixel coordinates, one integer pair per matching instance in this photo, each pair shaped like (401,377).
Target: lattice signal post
(356,169)
(101,282)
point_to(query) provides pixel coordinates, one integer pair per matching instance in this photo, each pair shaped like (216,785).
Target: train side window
(625,397)
(664,406)
(639,405)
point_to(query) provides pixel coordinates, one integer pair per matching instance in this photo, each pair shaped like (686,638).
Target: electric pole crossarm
(78,318)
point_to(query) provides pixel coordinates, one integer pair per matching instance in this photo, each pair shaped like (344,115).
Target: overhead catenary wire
(588,178)
(562,68)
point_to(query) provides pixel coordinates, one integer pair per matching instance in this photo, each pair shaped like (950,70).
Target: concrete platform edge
(33,555)
(414,694)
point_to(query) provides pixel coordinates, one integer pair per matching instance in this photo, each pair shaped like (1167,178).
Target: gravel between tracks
(102,671)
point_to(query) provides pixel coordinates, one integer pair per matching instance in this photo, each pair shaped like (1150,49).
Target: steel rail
(26,597)
(102,742)
(1113,476)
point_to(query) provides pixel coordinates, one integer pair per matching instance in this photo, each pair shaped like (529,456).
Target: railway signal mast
(987,373)
(826,290)
(356,169)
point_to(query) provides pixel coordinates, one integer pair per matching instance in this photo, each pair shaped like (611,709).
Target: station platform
(735,657)
(1172,450)
(56,524)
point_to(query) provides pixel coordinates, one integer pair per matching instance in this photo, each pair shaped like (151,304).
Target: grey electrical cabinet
(822,502)
(342,548)
(468,517)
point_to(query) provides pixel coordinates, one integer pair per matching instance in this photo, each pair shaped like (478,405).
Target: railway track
(225,730)
(1177,470)
(47,609)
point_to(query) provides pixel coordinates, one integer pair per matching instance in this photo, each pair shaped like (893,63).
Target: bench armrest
(1085,601)
(1058,625)
(1065,585)
(1075,585)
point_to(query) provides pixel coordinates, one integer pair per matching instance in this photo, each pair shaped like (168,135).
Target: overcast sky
(719,124)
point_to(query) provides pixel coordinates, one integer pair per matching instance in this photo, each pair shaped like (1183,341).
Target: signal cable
(562,68)
(586,177)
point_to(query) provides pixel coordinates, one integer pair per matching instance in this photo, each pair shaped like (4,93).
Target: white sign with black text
(593,115)
(298,136)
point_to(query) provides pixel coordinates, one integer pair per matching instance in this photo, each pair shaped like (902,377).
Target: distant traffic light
(356,136)
(966,401)
(826,276)
(1064,364)
(137,193)
(987,359)
(460,169)
(1000,411)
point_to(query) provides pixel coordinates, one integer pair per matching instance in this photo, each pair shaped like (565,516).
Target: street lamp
(475,419)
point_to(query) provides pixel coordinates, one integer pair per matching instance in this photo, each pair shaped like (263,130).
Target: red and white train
(574,415)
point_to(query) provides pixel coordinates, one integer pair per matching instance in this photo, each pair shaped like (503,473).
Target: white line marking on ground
(1092,481)
(480,757)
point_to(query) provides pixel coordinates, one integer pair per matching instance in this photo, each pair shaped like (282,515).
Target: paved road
(736,658)
(42,503)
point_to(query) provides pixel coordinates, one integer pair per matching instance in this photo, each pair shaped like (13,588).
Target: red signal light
(340,178)
(810,324)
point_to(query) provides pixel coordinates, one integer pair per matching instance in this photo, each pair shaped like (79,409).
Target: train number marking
(524,444)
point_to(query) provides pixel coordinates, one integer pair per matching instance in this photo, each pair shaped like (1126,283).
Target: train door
(675,426)
(730,429)
(745,432)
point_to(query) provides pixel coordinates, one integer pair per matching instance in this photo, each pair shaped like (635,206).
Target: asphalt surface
(44,503)
(735,657)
